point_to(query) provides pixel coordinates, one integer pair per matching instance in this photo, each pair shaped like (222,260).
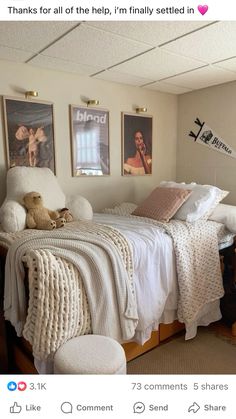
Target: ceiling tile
(93,46)
(168,88)
(202,77)
(152,33)
(87,48)
(157,64)
(116,77)
(213,43)
(227,64)
(12,54)
(32,36)
(63,65)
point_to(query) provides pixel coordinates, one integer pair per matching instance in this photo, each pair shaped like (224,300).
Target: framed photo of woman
(136,144)
(29,133)
(90,141)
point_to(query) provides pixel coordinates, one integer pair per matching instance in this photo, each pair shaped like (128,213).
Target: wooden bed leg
(234,329)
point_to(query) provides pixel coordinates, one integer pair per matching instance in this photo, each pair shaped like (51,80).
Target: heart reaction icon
(202,9)
(22,386)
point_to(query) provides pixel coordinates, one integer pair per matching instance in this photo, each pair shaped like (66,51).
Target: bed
(150,261)
(128,276)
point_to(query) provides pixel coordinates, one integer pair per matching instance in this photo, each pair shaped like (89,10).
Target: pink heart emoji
(202,9)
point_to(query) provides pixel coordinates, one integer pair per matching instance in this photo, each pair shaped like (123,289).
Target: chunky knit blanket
(80,279)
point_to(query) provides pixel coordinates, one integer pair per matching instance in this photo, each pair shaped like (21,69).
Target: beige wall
(195,162)
(63,89)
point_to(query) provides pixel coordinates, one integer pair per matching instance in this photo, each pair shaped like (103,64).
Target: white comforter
(155,282)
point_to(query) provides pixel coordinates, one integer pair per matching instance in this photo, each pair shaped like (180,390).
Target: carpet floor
(208,353)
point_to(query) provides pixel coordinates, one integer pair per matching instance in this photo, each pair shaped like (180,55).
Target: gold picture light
(92,102)
(139,110)
(31,93)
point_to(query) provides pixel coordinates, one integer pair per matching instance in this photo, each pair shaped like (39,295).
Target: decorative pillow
(225,214)
(220,198)
(80,208)
(126,208)
(201,203)
(20,180)
(12,217)
(162,203)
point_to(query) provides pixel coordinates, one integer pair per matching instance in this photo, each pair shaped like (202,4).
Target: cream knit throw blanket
(65,266)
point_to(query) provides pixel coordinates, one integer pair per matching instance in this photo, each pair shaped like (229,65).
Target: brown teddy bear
(40,217)
(65,213)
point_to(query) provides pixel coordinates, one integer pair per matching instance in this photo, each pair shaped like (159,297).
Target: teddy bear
(38,216)
(65,213)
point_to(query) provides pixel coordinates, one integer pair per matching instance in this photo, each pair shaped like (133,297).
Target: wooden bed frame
(16,355)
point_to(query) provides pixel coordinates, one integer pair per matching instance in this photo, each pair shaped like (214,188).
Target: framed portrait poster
(90,141)
(136,145)
(29,133)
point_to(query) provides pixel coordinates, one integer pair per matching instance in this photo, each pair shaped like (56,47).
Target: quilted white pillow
(201,202)
(20,180)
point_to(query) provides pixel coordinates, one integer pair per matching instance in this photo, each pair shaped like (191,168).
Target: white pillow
(12,217)
(80,208)
(200,203)
(225,214)
(20,180)
(126,208)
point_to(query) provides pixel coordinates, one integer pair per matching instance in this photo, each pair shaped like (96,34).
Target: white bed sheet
(154,272)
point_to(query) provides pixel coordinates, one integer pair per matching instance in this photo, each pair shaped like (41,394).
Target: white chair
(90,354)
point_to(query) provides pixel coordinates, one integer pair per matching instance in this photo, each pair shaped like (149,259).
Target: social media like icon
(16,408)
(12,386)
(194,408)
(66,407)
(22,386)
(139,407)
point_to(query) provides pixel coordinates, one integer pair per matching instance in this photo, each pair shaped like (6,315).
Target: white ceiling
(174,57)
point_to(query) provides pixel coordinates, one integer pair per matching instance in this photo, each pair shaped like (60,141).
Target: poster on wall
(90,141)
(206,136)
(29,133)
(136,144)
